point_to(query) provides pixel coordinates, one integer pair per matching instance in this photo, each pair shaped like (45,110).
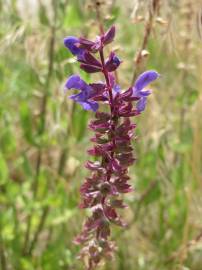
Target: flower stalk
(112,151)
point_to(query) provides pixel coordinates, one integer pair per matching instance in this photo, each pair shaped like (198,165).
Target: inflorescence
(113,131)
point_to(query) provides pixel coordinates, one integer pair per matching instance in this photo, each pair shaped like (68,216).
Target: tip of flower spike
(109,35)
(90,106)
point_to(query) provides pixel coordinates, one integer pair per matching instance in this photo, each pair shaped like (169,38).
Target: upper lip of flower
(139,90)
(142,81)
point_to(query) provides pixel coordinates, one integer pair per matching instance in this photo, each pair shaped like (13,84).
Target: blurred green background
(44,136)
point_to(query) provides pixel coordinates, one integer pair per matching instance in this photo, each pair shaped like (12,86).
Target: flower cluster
(113,132)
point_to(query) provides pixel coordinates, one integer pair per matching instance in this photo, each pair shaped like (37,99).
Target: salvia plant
(113,132)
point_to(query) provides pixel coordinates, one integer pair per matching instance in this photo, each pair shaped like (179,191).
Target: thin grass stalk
(3,262)
(147,32)
(43,112)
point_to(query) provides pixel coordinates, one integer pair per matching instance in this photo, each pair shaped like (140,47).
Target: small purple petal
(145,93)
(80,97)
(117,88)
(84,102)
(144,79)
(90,105)
(141,104)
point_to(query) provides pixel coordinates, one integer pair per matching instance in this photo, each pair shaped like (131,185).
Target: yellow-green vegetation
(44,135)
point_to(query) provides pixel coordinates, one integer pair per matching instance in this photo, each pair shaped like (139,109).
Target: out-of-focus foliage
(44,136)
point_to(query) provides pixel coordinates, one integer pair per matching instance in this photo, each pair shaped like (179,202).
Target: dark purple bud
(112,62)
(109,35)
(86,44)
(90,60)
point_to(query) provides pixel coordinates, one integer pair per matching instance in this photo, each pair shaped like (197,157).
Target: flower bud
(112,62)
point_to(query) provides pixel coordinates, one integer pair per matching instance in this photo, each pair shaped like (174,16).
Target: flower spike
(112,151)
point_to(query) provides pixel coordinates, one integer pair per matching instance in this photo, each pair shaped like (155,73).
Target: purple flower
(83,98)
(138,89)
(72,43)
